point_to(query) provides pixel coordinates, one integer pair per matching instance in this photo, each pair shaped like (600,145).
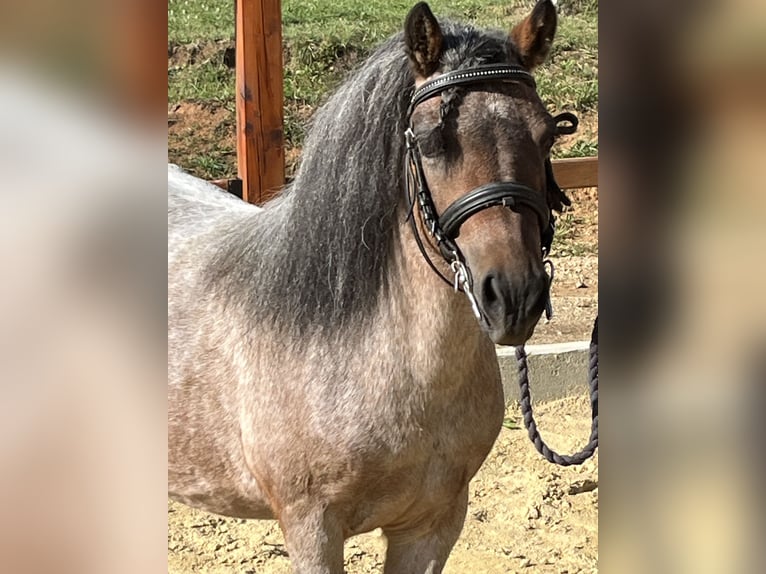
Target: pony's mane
(319,255)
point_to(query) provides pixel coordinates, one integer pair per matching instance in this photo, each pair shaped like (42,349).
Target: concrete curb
(556,371)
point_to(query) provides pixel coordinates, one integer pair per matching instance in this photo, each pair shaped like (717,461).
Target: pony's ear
(533,36)
(423,40)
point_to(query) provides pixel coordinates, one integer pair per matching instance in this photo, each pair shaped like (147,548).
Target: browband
(471,76)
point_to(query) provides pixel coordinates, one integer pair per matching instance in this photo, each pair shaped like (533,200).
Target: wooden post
(260,135)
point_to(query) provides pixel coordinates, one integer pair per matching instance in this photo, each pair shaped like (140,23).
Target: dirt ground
(574,295)
(525,515)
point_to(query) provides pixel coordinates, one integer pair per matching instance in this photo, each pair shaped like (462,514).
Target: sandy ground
(525,515)
(574,295)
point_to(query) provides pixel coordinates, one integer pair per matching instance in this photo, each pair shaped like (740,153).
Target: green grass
(194,20)
(511,424)
(319,34)
(581,148)
(566,243)
(207,81)
(323,39)
(214,164)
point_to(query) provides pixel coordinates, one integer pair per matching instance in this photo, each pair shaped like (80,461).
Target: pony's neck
(439,320)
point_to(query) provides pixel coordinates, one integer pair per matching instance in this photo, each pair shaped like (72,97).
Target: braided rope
(529,421)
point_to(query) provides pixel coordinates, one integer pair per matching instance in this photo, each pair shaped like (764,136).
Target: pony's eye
(431,143)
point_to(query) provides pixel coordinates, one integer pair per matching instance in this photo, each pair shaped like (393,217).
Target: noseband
(445,228)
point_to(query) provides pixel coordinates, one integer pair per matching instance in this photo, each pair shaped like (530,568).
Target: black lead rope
(529,420)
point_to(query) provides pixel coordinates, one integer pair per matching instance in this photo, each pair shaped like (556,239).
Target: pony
(319,371)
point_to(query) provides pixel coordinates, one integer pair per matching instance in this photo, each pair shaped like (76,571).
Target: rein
(445,228)
(529,420)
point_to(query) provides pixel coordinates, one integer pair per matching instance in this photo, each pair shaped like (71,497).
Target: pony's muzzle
(512,305)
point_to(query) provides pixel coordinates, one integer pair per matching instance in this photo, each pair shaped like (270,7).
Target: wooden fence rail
(572,173)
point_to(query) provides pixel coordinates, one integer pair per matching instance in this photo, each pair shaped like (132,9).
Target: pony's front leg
(427,553)
(313,538)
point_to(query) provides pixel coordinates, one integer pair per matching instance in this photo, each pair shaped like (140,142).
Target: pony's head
(472,136)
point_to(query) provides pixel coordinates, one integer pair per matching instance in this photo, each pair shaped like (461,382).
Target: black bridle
(445,228)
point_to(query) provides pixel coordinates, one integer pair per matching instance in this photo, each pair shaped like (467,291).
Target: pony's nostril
(491,292)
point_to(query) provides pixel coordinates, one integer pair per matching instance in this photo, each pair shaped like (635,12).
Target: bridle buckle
(464,283)
(410,139)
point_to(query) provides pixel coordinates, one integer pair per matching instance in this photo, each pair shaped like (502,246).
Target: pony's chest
(406,488)
(437,443)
